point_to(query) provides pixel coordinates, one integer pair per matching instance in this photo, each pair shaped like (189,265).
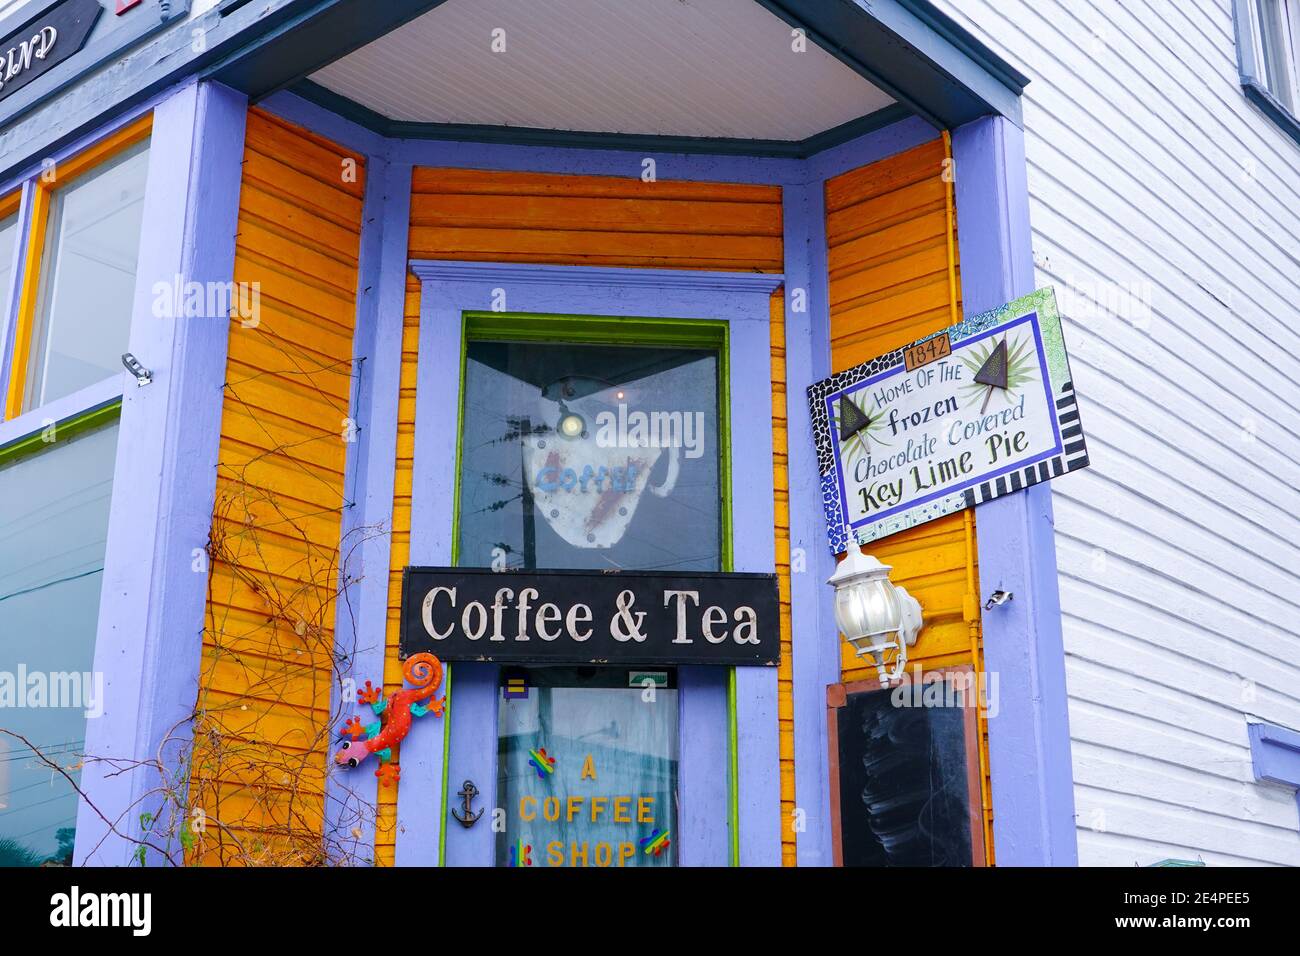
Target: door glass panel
(582,456)
(83,312)
(52,531)
(587,768)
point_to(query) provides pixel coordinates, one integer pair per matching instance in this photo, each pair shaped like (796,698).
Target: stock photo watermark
(653,429)
(180,299)
(35,689)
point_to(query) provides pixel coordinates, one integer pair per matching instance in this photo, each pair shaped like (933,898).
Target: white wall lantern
(879,618)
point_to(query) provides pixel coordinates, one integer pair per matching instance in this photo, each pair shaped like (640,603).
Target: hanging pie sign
(981,409)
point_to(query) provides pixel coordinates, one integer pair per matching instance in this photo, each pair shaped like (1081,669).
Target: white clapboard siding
(1114,627)
(1179,550)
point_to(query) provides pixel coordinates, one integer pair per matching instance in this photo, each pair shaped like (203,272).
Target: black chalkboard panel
(908,793)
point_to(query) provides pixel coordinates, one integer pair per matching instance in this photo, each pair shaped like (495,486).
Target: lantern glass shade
(874,614)
(867,608)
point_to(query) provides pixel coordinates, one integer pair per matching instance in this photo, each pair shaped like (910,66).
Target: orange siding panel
(889,254)
(400,549)
(781,488)
(594,220)
(263,726)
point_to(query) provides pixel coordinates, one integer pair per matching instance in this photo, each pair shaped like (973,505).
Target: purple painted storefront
(746,742)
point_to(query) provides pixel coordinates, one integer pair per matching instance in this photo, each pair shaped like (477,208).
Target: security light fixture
(879,618)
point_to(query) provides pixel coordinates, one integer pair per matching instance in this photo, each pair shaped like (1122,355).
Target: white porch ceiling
(720,68)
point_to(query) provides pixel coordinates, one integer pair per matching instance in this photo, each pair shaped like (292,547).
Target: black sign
(589,617)
(44,42)
(908,792)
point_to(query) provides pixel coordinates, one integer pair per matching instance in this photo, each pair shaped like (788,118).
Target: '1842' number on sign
(923,353)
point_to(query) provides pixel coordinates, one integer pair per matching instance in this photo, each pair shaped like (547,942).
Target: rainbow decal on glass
(656,842)
(521,854)
(544,765)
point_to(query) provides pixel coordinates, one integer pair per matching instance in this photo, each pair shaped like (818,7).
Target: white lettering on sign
(21,56)
(426,612)
(681,597)
(646,618)
(478,620)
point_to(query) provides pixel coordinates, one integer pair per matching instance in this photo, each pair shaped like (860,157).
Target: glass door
(582,455)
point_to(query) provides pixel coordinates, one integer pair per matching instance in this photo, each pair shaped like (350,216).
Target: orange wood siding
(400,552)
(594,220)
(888,249)
(264,700)
(781,493)
(564,220)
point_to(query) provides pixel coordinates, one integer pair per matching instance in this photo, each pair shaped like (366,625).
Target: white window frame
(1253,54)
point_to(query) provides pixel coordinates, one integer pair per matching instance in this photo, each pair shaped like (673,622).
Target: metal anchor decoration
(467,794)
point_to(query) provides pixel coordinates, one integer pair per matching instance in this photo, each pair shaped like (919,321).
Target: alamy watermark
(1086,299)
(662,429)
(178,299)
(133,911)
(52,689)
(948,688)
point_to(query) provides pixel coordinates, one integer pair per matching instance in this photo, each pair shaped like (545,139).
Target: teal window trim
(609,330)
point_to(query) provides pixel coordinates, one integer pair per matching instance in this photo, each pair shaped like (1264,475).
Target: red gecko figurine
(424,672)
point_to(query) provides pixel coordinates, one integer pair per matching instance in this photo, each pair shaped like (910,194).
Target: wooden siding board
(267,665)
(428,179)
(310,154)
(785,670)
(584,215)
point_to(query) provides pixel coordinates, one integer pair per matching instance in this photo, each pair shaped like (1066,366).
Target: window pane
(83,312)
(8,237)
(52,532)
(634,481)
(610,797)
